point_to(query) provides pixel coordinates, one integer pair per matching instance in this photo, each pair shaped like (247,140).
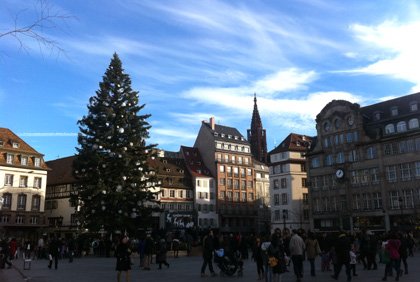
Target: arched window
(389,129)
(401,126)
(413,123)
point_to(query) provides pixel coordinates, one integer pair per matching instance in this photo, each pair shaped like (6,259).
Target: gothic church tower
(257,136)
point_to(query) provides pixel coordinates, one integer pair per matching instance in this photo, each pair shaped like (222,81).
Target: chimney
(212,123)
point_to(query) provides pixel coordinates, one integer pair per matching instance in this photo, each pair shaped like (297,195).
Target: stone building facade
(364,168)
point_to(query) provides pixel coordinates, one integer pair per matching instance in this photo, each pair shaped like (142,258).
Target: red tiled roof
(7,138)
(293,142)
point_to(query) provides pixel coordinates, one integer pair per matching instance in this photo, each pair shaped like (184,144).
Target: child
(353,260)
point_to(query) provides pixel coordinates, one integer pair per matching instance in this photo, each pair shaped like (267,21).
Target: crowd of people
(335,251)
(273,254)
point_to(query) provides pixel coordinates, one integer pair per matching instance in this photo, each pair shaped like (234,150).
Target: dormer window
(401,126)
(230,136)
(394,111)
(236,137)
(242,139)
(15,145)
(413,106)
(216,134)
(223,135)
(389,129)
(1,143)
(37,162)
(24,160)
(377,116)
(9,159)
(164,161)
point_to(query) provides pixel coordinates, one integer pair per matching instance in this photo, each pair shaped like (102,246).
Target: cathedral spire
(257,135)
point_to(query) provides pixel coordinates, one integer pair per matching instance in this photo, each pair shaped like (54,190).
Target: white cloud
(285,80)
(48,134)
(394,48)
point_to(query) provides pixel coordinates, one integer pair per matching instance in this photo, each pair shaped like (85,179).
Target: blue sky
(191,60)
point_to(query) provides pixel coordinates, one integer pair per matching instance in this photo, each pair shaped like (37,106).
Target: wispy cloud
(48,134)
(393,48)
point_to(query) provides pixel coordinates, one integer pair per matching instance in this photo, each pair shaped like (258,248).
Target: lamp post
(400,200)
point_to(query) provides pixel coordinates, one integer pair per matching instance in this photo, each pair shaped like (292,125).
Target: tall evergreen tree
(116,186)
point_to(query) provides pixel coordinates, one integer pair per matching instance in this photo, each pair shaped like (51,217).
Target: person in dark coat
(161,253)
(5,254)
(148,251)
(276,250)
(342,249)
(257,256)
(208,249)
(54,252)
(123,254)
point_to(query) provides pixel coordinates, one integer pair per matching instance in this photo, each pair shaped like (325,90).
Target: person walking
(392,246)
(258,257)
(208,249)
(342,249)
(268,271)
(353,261)
(276,251)
(71,247)
(297,250)
(123,253)
(53,252)
(5,254)
(161,253)
(404,251)
(148,251)
(312,250)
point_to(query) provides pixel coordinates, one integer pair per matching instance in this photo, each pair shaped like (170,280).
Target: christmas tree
(116,188)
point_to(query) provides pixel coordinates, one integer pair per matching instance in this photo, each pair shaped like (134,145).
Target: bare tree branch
(46,18)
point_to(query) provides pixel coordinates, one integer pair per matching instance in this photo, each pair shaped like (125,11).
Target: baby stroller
(229,264)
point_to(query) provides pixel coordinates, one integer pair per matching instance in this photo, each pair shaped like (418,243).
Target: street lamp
(400,200)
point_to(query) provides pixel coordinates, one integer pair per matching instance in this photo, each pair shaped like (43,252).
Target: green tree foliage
(116,186)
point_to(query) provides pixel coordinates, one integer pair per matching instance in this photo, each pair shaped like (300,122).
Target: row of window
(205,183)
(236,196)
(205,195)
(19,219)
(176,206)
(339,139)
(401,126)
(232,147)
(402,147)
(22,160)
(172,193)
(21,202)
(205,207)
(279,157)
(279,215)
(23,181)
(367,201)
(235,171)
(403,172)
(236,183)
(232,159)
